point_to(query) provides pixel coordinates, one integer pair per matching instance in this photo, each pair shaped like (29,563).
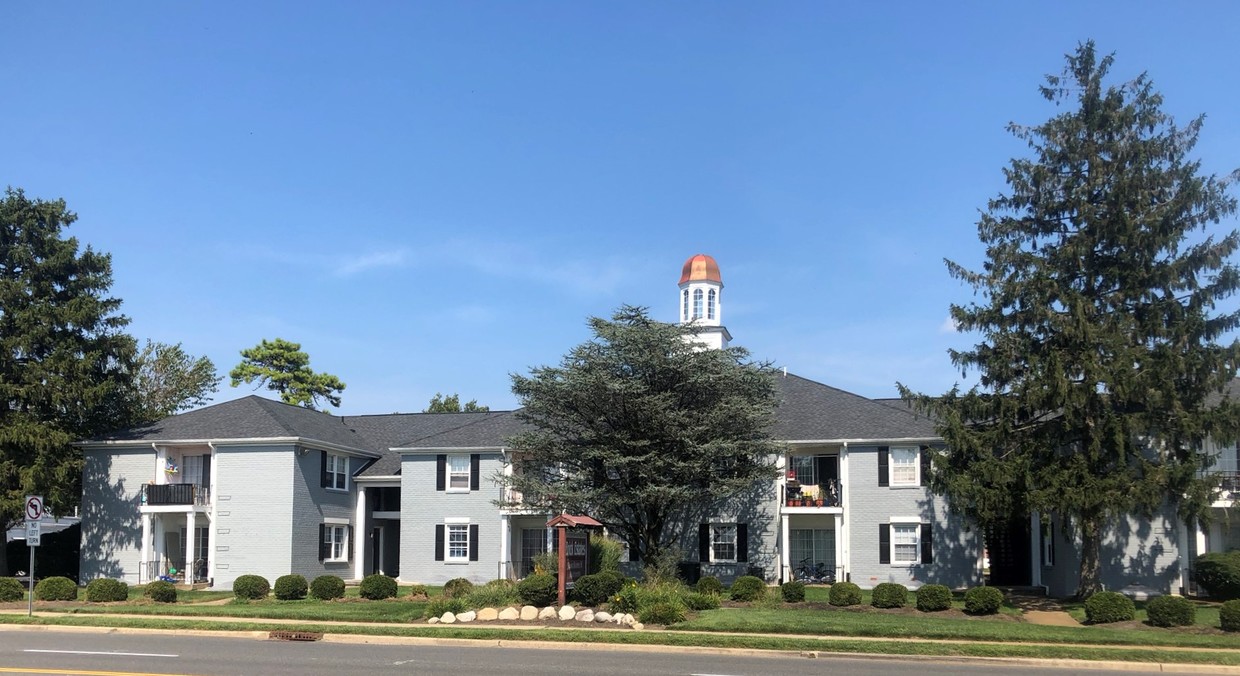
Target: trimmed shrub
(709,585)
(377,587)
(593,590)
(443,605)
(1107,607)
(55,589)
(1229,616)
(103,590)
(889,595)
(700,601)
(290,587)
(251,587)
(663,613)
(538,590)
(793,592)
(933,598)
(161,592)
(11,589)
(983,601)
(746,588)
(457,587)
(420,590)
(844,594)
(327,588)
(1219,573)
(1171,611)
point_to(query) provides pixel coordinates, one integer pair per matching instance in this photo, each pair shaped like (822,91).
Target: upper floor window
(335,473)
(684,311)
(801,468)
(710,304)
(905,466)
(697,303)
(458,472)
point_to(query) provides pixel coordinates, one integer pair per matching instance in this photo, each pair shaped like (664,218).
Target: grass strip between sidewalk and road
(674,638)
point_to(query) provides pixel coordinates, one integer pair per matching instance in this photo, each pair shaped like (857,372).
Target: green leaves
(281,366)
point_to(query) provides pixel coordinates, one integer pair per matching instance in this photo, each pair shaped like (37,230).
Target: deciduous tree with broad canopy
(1100,358)
(640,423)
(452,404)
(170,381)
(282,367)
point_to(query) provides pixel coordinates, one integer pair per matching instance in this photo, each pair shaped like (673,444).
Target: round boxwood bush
(161,592)
(889,595)
(103,590)
(290,587)
(746,588)
(709,585)
(700,601)
(593,590)
(252,587)
(457,587)
(56,589)
(1229,616)
(1171,611)
(327,588)
(793,592)
(538,590)
(983,601)
(1219,573)
(377,587)
(663,613)
(11,589)
(1107,607)
(443,605)
(844,594)
(933,598)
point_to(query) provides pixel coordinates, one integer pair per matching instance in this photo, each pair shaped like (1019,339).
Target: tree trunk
(1090,581)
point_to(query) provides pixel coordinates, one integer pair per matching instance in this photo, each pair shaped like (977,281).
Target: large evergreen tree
(639,426)
(65,363)
(1099,321)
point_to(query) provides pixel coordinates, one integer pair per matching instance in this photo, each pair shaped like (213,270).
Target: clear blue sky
(430,196)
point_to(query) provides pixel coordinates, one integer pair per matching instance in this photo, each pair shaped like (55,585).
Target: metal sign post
(34,512)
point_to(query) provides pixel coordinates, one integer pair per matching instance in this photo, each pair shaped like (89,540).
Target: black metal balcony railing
(174,494)
(1229,481)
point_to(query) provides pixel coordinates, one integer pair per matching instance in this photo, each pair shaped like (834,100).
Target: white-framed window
(335,543)
(905,466)
(337,472)
(684,312)
(457,545)
(723,542)
(1048,543)
(710,304)
(697,304)
(458,473)
(905,543)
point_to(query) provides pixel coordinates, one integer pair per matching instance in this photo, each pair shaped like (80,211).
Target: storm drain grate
(296,636)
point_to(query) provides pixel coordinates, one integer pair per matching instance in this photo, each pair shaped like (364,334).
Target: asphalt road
(97,654)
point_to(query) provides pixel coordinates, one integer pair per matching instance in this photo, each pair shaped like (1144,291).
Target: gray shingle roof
(411,430)
(812,411)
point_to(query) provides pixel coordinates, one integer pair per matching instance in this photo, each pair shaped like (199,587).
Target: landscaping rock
(638,626)
(467,616)
(513,613)
(628,619)
(433,620)
(567,613)
(586,615)
(447,618)
(547,613)
(602,616)
(529,613)
(488,614)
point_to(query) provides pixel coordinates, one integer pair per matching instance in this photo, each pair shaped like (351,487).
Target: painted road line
(77,672)
(91,652)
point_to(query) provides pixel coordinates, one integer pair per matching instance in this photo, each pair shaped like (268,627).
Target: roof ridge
(857,396)
(420,413)
(492,416)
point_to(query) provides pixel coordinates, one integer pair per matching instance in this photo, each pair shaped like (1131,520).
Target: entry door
(1010,555)
(376,550)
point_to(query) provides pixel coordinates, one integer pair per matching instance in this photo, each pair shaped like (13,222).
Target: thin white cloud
(596,275)
(949,326)
(358,264)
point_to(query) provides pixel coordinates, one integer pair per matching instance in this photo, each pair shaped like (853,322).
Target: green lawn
(1207,612)
(821,594)
(310,610)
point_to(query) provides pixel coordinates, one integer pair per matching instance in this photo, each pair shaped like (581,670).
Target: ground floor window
(458,542)
(533,543)
(334,547)
(817,545)
(905,543)
(723,542)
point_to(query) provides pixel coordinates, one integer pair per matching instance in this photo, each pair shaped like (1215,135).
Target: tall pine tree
(1099,321)
(65,363)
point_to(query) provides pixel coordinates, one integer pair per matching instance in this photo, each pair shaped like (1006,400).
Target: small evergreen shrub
(251,587)
(933,598)
(594,590)
(709,585)
(1107,607)
(443,605)
(1229,616)
(457,587)
(538,590)
(983,601)
(746,588)
(663,613)
(1219,573)
(11,589)
(793,592)
(1171,611)
(327,588)
(700,601)
(103,590)
(377,587)
(889,595)
(419,590)
(290,587)
(161,592)
(844,594)
(55,589)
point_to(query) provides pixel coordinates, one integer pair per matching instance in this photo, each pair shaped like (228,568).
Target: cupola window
(684,313)
(697,303)
(710,304)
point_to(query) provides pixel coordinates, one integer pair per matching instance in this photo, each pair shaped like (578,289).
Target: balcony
(820,497)
(159,495)
(1229,482)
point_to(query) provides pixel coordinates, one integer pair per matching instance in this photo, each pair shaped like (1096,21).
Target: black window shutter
(439,542)
(742,542)
(322,542)
(925,465)
(883,472)
(475,467)
(441,469)
(349,544)
(323,471)
(884,543)
(473,542)
(704,542)
(927,543)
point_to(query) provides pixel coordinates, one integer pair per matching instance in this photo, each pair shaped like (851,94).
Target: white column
(190,523)
(840,568)
(785,550)
(843,535)
(144,573)
(1203,545)
(360,535)
(1035,549)
(505,545)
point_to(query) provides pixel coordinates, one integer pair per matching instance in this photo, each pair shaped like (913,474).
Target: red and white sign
(34,507)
